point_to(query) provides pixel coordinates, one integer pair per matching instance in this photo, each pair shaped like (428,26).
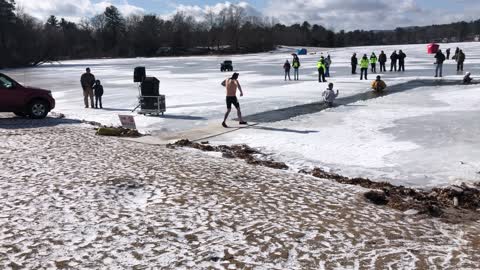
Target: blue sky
(333,14)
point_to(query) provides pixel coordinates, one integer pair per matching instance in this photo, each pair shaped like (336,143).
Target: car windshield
(5,82)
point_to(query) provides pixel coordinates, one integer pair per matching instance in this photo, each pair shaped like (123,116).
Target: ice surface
(422,135)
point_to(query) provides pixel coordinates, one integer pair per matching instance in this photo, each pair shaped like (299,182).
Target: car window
(5,83)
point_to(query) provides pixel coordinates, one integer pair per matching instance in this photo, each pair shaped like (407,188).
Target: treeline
(26,41)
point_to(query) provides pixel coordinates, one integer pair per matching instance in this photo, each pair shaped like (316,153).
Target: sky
(333,14)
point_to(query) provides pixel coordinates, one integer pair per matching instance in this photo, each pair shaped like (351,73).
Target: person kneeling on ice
(329,95)
(378,85)
(231,85)
(98,88)
(467,79)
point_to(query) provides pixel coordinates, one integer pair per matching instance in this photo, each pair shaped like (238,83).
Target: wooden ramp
(196,135)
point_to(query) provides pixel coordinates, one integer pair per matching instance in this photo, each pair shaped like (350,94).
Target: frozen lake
(422,133)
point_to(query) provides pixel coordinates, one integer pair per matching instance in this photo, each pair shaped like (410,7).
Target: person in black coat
(448,53)
(460,60)
(382,59)
(354,63)
(393,61)
(440,58)
(401,60)
(98,88)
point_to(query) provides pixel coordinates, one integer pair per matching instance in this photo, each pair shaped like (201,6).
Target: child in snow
(467,79)
(329,95)
(98,88)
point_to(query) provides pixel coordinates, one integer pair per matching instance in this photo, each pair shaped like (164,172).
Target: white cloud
(73,10)
(365,14)
(199,12)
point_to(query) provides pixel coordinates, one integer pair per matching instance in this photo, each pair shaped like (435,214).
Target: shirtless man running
(231,85)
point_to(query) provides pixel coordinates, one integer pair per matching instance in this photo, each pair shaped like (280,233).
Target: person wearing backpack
(296,66)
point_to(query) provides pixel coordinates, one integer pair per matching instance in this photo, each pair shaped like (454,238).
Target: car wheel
(38,109)
(21,114)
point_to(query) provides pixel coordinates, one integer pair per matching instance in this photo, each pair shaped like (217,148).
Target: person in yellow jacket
(378,85)
(321,69)
(364,66)
(373,62)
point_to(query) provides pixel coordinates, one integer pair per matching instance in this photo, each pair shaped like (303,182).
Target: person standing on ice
(296,66)
(328,62)
(440,58)
(354,63)
(231,84)
(287,67)
(321,70)
(460,60)
(401,60)
(329,95)
(456,53)
(393,61)
(448,53)
(87,80)
(98,94)
(382,59)
(373,62)
(364,67)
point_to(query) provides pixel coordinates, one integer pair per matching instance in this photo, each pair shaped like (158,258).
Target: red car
(24,101)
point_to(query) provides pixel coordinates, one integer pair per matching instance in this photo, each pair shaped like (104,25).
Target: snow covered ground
(423,134)
(107,203)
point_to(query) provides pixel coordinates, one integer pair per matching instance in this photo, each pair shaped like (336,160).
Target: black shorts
(234,101)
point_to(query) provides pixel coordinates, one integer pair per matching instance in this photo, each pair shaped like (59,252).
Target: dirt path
(70,199)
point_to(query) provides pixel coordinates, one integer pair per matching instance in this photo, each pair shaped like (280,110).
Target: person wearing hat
(329,95)
(378,85)
(232,84)
(467,79)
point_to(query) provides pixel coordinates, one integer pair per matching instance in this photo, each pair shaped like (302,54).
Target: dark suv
(227,65)
(24,101)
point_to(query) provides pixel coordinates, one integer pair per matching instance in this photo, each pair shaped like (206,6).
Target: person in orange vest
(378,85)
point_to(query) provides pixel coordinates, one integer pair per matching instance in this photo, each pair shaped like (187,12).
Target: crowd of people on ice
(93,88)
(397,64)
